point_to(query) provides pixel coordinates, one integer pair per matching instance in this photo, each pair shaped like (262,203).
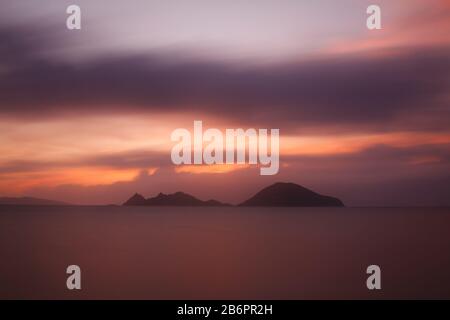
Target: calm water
(211,253)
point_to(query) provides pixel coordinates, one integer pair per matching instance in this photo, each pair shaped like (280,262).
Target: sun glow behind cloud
(19,182)
(79,151)
(216,168)
(103,114)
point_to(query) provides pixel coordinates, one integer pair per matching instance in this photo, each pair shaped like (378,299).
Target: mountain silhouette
(290,195)
(31,201)
(277,195)
(175,199)
(136,200)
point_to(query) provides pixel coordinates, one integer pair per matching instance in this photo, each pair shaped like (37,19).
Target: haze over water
(223,253)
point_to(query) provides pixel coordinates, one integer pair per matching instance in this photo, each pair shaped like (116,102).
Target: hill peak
(287,194)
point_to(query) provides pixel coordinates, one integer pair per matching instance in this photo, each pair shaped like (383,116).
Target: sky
(86,115)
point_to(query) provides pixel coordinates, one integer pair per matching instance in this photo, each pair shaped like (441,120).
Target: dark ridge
(136,200)
(277,195)
(290,195)
(175,199)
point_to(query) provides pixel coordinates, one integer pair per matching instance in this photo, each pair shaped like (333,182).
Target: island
(290,195)
(280,194)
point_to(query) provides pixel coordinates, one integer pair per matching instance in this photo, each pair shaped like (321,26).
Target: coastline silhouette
(30,201)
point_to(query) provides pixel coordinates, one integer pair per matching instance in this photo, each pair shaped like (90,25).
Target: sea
(223,252)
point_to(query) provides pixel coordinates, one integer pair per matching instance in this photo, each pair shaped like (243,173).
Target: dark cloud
(370,92)
(137,159)
(376,157)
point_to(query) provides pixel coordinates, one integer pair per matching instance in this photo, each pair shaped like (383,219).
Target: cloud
(398,91)
(139,159)
(355,91)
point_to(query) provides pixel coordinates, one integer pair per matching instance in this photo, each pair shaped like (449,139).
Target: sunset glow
(87,116)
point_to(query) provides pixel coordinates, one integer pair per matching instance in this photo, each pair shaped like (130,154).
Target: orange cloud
(329,145)
(18,182)
(427,25)
(57,149)
(217,168)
